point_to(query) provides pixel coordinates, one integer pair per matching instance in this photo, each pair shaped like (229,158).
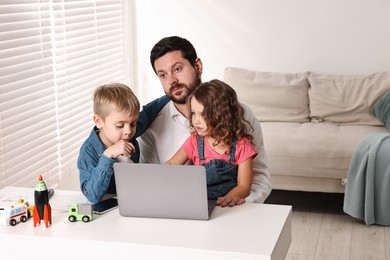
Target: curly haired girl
(220,142)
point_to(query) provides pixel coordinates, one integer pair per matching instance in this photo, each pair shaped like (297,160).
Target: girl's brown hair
(222,112)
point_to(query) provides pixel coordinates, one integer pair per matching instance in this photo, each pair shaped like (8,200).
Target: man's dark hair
(173,43)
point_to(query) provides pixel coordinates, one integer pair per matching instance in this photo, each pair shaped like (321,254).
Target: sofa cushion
(278,97)
(346,99)
(382,110)
(319,150)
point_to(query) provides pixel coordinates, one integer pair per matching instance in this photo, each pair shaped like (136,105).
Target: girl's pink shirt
(244,150)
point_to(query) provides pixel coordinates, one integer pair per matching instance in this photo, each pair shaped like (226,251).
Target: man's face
(177,76)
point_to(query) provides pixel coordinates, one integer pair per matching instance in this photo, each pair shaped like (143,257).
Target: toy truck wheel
(12,222)
(85,218)
(23,218)
(72,218)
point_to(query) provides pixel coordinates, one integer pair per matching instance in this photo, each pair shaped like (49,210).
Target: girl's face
(116,126)
(197,117)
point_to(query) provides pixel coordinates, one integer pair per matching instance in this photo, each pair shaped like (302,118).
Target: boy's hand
(120,148)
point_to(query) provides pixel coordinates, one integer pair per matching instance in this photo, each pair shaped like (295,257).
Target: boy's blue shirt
(96,171)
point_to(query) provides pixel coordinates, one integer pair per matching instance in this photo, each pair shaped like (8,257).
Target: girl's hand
(230,201)
(120,148)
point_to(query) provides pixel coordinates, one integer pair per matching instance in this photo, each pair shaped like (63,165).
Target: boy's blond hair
(114,97)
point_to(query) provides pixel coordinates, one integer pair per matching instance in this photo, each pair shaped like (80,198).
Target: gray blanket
(367,194)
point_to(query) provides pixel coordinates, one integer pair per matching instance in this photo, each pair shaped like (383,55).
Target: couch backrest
(308,96)
(277,97)
(346,99)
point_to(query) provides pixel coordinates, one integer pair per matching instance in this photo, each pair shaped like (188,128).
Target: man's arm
(261,184)
(148,113)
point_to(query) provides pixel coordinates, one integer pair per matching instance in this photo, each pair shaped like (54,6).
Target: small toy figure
(80,211)
(42,209)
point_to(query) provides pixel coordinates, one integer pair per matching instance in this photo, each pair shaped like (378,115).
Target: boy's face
(116,126)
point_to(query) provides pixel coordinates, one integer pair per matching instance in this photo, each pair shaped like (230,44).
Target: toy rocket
(42,209)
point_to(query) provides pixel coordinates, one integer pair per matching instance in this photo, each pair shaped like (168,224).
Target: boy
(118,123)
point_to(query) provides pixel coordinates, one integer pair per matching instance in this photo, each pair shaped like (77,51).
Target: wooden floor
(321,230)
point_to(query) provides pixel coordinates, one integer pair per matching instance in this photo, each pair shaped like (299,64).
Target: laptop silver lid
(161,191)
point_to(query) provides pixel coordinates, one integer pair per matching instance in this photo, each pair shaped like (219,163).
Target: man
(175,62)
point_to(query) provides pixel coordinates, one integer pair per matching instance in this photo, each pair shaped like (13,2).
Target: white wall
(325,36)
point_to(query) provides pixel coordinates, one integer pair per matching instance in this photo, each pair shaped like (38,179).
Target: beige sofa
(311,122)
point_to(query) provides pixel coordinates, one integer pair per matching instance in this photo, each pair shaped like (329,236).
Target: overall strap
(232,151)
(200,148)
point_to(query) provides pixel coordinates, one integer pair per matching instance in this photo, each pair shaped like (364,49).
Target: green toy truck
(80,211)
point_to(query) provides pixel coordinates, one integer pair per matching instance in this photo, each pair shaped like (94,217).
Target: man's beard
(187,89)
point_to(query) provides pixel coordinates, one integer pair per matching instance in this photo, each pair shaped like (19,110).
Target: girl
(220,142)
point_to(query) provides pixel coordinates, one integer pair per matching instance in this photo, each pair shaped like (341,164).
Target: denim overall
(221,175)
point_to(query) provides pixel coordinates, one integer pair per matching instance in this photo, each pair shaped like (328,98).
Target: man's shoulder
(249,115)
(167,114)
(246,107)
(158,102)
(164,112)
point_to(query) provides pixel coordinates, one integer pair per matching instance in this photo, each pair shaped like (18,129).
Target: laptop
(162,191)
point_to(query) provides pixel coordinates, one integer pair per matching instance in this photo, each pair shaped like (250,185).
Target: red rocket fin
(47,214)
(36,217)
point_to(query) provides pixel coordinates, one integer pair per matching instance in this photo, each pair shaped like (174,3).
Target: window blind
(53,54)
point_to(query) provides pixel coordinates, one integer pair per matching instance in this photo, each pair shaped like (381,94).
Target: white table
(249,231)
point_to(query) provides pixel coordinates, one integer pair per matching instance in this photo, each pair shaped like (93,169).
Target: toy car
(17,213)
(29,208)
(80,211)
